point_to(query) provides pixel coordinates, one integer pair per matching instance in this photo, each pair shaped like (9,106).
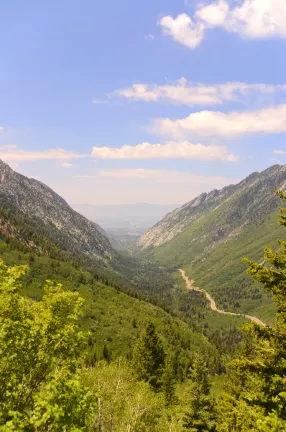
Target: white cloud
(15,154)
(187,93)
(184,30)
(216,123)
(279,152)
(214,14)
(1,128)
(8,146)
(258,19)
(170,150)
(66,164)
(149,36)
(254,19)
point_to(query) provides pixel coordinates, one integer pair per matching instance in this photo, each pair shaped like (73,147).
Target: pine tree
(200,416)
(168,384)
(149,357)
(270,363)
(259,373)
(106,353)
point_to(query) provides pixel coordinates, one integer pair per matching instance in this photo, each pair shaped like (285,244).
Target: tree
(271,342)
(260,373)
(168,384)
(149,357)
(200,414)
(106,353)
(124,404)
(40,352)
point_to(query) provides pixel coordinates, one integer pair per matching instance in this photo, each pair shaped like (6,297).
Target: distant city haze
(133,217)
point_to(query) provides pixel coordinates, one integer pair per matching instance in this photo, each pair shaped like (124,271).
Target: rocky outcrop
(35,199)
(249,200)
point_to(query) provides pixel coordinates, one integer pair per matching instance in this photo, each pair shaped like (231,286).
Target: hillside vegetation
(210,235)
(49,381)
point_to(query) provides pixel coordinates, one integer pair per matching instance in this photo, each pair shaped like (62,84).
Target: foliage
(40,352)
(211,247)
(124,404)
(259,373)
(49,256)
(200,414)
(149,357)
(169,384)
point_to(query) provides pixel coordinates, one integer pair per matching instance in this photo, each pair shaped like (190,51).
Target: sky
(149,101)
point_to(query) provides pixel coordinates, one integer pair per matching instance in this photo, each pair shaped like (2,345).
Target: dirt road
(190,284)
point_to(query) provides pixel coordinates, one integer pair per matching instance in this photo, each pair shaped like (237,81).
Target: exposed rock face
(37,200)
(249,200)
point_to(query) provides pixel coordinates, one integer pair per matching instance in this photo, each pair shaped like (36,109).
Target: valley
(140,296)
(143,216)
(210,236)
(190,285)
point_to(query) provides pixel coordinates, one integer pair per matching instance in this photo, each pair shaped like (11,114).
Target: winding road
(190,284)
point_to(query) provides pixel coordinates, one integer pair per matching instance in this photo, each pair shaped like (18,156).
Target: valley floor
(190,286)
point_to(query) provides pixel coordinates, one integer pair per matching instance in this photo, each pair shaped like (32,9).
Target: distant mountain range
(212,233)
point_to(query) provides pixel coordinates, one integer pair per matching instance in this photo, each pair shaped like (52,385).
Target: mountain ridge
(35,199)
(209,236)
(176,222)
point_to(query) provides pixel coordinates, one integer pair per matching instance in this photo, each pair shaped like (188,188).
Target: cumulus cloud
(254,19)
(188,93)
(184,30)
(214,14)
(169,150)
(216,123)
(13,153)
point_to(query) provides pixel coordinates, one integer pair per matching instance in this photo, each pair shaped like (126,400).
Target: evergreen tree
(106,353)
(260,373)
(200,416)
(168,384)
(149,357)
(271,342)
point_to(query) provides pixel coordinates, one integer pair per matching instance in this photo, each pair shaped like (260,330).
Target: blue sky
(155,101)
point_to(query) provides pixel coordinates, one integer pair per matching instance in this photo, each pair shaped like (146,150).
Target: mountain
(211,234)
(38,201)
(250,199)
(40,230)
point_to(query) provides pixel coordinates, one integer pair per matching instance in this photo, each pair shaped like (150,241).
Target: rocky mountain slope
(240,204)
(37,200)
(210,235)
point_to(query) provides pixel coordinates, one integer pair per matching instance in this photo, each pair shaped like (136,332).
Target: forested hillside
(113,317)
(36,200)
(210,235)
(124,346)
(52,380)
